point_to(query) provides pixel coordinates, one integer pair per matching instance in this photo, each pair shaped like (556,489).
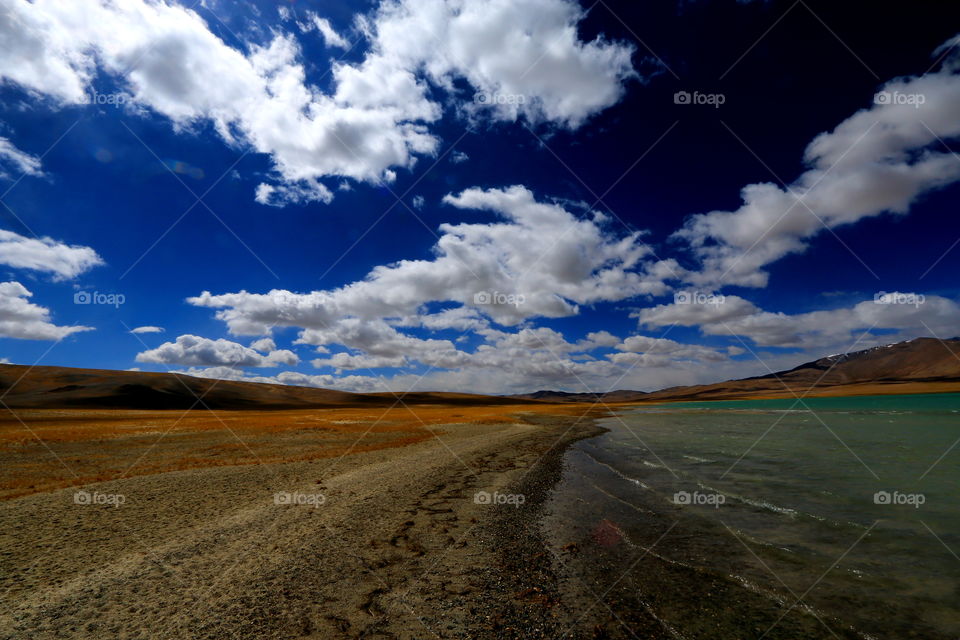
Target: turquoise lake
(854,502)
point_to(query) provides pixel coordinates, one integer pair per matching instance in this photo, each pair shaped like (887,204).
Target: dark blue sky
(125,182)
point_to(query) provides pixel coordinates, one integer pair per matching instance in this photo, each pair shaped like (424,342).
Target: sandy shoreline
(387,543)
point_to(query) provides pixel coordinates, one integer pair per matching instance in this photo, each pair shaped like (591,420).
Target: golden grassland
(47,449)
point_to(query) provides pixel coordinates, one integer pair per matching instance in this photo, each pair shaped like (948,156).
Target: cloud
(519,362)
(908,314)
(457,318)
(879,160)
(357,384)
(458,156)
(544,373)
(259,98)
(688,315)
(46,255)
(147,329)
(528,339)
(598,339)
(19,161)
(418,202)
(664,347)
(362,361)
(524,58)
(534,259)
(377,338)
(375,119)
(20,318)
(538,260)
(527,358)
(193,350)
(330,37)
(948,55)
(302,192)
(545,257)
(264,345)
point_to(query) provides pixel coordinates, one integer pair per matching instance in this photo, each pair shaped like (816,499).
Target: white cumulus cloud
(193,350)
(538,260)
(46,255)
(20,318)
(376,117)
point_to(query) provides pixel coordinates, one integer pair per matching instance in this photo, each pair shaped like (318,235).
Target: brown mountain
(68,388)
(922,365)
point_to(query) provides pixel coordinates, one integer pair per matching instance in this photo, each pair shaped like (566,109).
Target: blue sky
(480,196)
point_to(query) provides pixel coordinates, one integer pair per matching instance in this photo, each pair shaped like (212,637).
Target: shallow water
(782,499)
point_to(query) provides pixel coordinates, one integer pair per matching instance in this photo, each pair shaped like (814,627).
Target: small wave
(617,498)
(762,543)
(619,473)
(769,506)
(792,513)
(629,445)
(760,504)
(699,459)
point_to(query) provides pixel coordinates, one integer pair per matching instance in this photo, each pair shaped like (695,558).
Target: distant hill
(68,388)
(555,397)
(915,366)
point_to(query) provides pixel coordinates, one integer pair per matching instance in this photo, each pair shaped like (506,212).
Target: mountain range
(922,365)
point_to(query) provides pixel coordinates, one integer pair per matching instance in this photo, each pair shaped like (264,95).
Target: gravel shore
(436,539)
